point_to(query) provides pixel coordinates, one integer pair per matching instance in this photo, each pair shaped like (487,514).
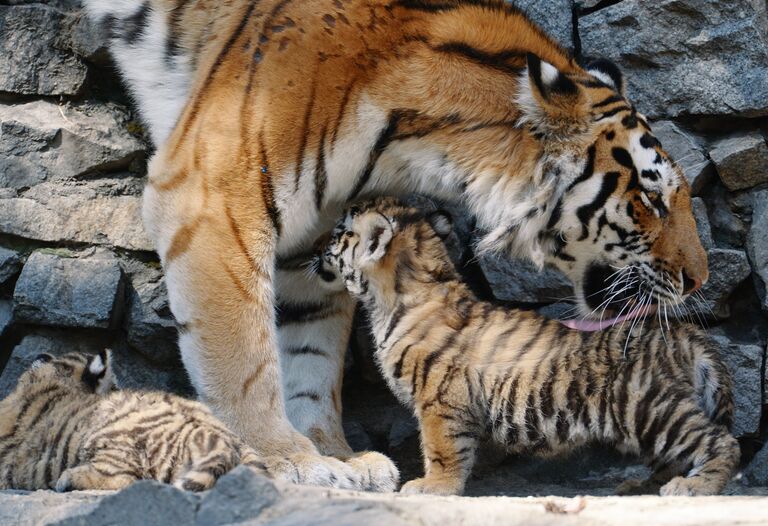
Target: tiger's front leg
(314,325)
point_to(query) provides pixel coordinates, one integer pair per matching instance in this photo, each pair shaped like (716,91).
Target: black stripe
(267,191)
(306,394)
(321,173)
(430,360)
(398,371)
(133,26)
(589,168)
(172,47)
(342,111)
(195,106)
(436,6)
(609,100)
(305,132)
(498,61)
(385,136)
(287,313)
(304,351)
(586,212)
(393,321)
(612,112)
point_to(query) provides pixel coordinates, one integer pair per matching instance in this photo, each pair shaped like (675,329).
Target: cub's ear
(442,223)
(551,102)
(608,73)
(376,233)
(40,359)
(98,375)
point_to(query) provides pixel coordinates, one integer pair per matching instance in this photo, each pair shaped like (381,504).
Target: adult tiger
(270,115)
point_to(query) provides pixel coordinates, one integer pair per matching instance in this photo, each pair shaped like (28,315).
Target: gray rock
(745,363)
(687,153)
(149,324)
(756,473)
(357,437)
(519,281)
(344,513)
(131,369)
(403,429)
(69,291)
(741,160)
(702,222)
(686,57)
(144,503)
(6,315)
(32,58)
(554,16)
(44,507)
(757,244)
(10,264)
(239,496)
(728,220)
(727,270)
(42,140)
(76,211)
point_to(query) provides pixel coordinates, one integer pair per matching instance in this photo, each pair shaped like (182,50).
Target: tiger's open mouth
(587,325)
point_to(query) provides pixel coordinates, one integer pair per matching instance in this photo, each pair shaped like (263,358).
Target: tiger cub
(66,426)
(473,370)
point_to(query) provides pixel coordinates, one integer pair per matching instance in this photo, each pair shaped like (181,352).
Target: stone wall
(77,270)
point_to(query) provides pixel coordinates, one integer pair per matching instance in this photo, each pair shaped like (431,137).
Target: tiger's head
(379,245)
(603,202)
(74,372)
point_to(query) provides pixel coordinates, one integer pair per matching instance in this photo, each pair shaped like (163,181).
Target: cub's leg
(314,325)
(449,448)
(95,475)
(679,435)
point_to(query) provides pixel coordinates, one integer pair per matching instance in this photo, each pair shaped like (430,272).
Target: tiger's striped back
(474,370)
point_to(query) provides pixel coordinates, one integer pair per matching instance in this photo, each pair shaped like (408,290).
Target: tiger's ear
(98,375)
(376,232)
(551,102)
(442,223)
(608,73)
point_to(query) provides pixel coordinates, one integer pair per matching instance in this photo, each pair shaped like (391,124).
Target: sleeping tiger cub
(66,426)
(473,370)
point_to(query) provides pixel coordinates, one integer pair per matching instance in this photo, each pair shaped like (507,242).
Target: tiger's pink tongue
(599,325)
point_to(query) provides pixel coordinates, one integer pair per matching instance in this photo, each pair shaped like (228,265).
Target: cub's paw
(375,471)
(427,486)
(65,482)
(689,487)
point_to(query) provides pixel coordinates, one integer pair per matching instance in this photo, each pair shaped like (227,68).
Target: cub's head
(86,373)
(606,205)
(382,244)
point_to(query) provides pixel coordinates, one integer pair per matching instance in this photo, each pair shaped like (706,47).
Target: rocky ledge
(242,497)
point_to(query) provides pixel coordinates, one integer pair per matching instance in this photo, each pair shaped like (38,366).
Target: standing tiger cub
(473,370)
(66,426)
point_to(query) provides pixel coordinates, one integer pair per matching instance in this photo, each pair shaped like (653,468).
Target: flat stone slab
(148,503)
(68,291)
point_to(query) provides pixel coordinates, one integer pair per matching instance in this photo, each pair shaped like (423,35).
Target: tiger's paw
(313,470)
(377,472)
(432,486)
(689,487)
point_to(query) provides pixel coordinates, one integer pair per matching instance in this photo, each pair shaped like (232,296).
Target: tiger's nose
(690,285)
